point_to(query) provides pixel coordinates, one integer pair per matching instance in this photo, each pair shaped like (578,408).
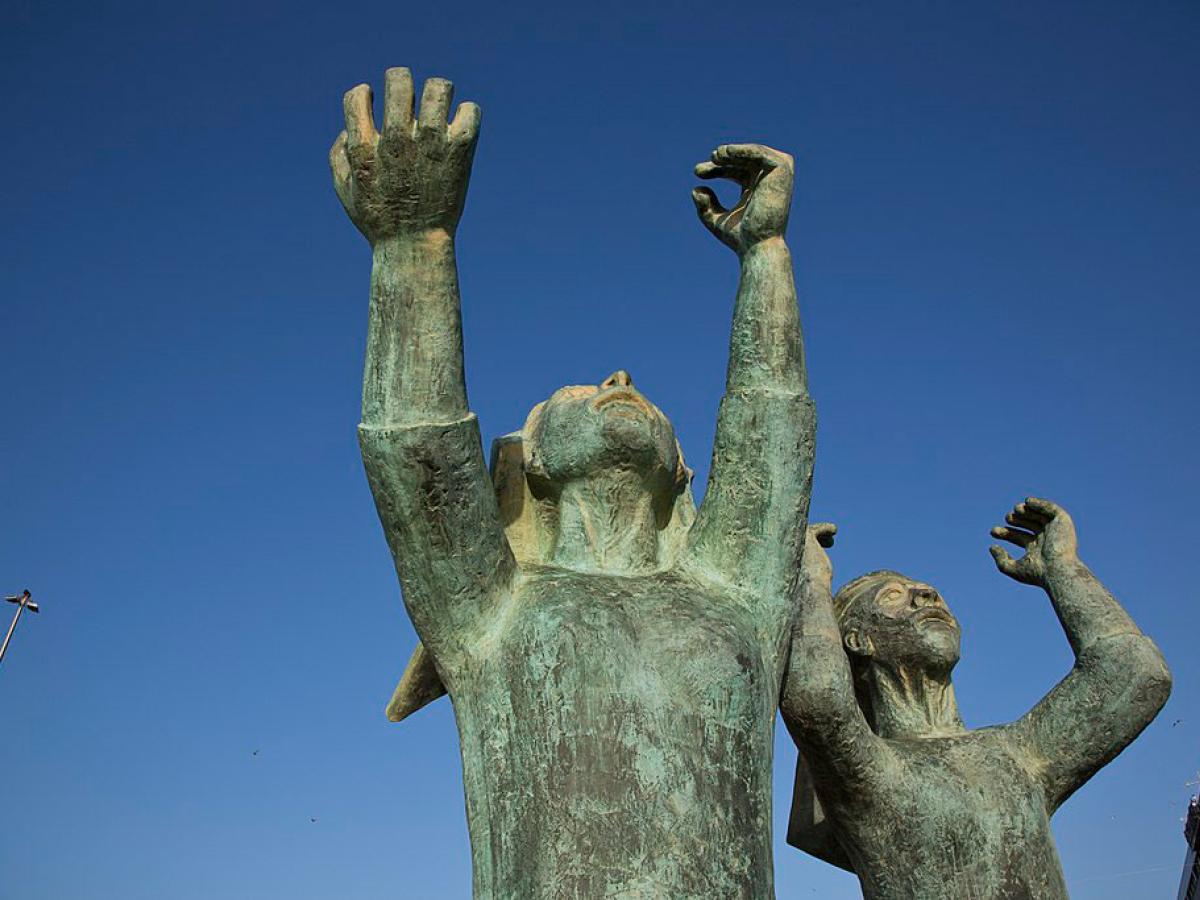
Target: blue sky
(995,231)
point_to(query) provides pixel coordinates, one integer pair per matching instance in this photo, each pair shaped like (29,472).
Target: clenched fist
(816,568)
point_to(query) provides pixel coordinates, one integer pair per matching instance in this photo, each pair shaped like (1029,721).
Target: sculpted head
(894,621)
(586,430)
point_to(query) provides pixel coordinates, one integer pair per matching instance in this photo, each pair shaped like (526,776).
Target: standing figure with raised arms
(891,785)
(614,657)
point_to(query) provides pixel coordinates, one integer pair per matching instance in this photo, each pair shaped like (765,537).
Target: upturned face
(905,624)
(584,429)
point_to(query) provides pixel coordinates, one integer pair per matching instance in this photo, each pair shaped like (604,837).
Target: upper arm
(750,527)
(822,713)
(1117,686)
(439,514)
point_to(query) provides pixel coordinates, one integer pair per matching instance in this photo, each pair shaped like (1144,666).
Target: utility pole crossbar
(24,602)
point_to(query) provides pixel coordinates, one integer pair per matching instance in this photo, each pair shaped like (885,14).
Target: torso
(953,818)
(617,740)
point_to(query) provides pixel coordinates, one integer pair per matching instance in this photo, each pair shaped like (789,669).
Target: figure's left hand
(765,176)
(1048,535)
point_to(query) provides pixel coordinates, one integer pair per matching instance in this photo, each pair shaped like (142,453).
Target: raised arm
(1119,681)
(750,527)
(838,750)
(404,188)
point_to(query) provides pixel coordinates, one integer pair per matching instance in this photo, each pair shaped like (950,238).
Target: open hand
(411,178)
(765,176)
(1045,531)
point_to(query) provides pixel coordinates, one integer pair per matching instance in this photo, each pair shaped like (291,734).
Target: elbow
(1154,678)
(794,704)
(1134,662)
(799,704)
(812,715)
(1150,677)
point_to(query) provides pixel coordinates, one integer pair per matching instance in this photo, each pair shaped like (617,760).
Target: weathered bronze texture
(614,656)
(891,785)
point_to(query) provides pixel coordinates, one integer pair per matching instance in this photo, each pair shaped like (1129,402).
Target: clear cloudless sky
(995,231)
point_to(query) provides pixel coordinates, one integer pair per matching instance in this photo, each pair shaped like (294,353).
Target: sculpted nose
(619,378)
(925,596)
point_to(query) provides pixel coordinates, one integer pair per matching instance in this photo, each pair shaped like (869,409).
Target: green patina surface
(614,655)
(892,786)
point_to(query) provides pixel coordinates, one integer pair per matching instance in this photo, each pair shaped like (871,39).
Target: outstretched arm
(837,748)
(1119,681)
(404,188)
(750,527)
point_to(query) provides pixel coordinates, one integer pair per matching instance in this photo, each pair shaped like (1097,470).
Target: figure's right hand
(815,567)
(411,179)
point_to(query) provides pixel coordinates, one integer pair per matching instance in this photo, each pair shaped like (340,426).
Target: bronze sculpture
(614,656)
(891,785)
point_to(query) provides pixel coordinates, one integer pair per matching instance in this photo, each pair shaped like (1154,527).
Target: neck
(912,703)
(607,524)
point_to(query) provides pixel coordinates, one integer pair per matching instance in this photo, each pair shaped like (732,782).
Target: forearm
(818,702)
(1087,611)
(414,366)
(766,349)
(816,622)
(823,717)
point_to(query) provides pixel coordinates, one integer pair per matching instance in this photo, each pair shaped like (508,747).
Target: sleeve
(750,527)
(438,510)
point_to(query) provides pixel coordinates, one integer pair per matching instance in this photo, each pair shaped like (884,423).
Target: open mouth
(937,617)
(623,401)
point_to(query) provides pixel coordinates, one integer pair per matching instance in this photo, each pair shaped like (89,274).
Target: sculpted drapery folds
(891,785)
(613,655)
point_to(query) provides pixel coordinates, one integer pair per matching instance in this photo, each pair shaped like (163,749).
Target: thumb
(1004,562)
(708,207)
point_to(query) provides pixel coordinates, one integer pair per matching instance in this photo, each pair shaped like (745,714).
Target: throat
(607,524)
(911,703)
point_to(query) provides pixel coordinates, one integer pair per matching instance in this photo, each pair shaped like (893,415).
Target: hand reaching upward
(412,177)
(1045,531)
(761,212)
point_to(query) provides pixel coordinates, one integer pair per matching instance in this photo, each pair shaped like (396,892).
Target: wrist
(818,582)
(425,242)
(765,247)
(418,239)
(1059,570)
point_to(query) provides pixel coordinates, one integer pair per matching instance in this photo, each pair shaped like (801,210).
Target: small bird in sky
(312,818)
(255,753)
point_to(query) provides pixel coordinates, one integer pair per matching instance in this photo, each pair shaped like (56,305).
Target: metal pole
(16,618)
